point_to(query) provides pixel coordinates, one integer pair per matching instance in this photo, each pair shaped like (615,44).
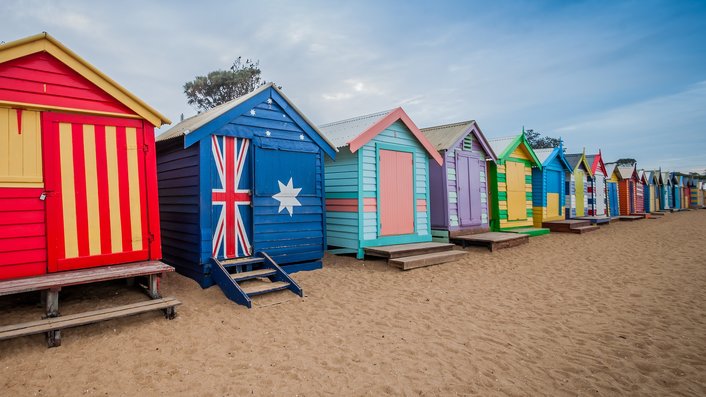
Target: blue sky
(626,77)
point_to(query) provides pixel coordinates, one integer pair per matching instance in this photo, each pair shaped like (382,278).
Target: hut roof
(626,171)
(357,131)
(221,115)
(503,147)
(445,137)
(577,160)
(44,42)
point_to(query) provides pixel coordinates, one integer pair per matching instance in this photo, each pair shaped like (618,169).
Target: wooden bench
(51,284)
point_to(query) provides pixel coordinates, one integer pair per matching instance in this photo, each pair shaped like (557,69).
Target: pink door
(396,193)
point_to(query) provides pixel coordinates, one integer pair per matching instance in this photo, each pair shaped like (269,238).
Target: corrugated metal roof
(444,136)
(195,122)
(573,159)
(344,131)
(500,144)
(543,154)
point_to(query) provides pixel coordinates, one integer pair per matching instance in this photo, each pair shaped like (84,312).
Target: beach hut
(576,185)
(458,188)
(78,184)
(242,191)
(651,198)
(511,185)
(677,188)
(612,189)
(548,198)
(597,186)
(640,192)
(666,191)
(377,190)
(627,189)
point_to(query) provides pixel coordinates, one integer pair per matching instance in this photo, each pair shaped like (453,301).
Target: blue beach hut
(548,185)
(241,191)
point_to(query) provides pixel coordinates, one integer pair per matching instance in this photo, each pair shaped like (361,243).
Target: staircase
(570,226)
(412,256)
(242,278)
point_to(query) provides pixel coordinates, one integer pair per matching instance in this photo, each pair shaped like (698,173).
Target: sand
(620,311)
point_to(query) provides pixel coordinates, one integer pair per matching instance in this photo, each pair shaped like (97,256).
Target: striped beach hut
(548,198)
(576,185)
(459,187)
(651,191)
(242,194)
(78,184)
(597,186)
(377,190)
(511,183)
(640,187)
(612,189)
(627,188)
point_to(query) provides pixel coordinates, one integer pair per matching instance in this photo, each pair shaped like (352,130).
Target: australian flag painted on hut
(243,179)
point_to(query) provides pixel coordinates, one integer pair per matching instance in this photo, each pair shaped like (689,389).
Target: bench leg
(170,313)
(153,287)
(54,338)
(51,302)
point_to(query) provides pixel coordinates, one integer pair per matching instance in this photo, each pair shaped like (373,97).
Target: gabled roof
(596,161)
(503,147)
(43,42)
(577,160)
(666,179)
(447,136)
(546,156)
(610,169)
(196,127)
(357,131)
(627,172)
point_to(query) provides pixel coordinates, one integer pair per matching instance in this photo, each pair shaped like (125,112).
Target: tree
(537,141)
(626,161)
(221,86)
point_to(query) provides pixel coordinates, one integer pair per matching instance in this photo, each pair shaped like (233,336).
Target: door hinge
(145,148)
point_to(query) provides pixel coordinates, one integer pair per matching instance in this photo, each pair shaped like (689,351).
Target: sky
(628,78)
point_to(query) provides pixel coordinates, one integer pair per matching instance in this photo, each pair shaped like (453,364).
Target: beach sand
(620,311)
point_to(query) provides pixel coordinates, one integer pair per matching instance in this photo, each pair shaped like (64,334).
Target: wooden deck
(596,220)
(51,285)
(402,250)
(492,240)
(576,226)
(630,218)
(434,258)
(530,231)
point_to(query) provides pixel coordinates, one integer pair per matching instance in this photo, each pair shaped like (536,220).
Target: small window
(20,148)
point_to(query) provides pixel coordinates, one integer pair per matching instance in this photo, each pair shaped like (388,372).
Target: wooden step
(492,240)
(565,225)
(434,258)
(74,320)
(585,229)
(242,276)
(241,261)
(258,288)
(404,250)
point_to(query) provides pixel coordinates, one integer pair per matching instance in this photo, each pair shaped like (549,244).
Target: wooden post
(153,287)
(51,302)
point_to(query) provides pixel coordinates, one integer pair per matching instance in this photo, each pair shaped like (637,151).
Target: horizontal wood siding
(23,250)
(396,134)
(178,180)
(287,239)
(341,183)
(41,79)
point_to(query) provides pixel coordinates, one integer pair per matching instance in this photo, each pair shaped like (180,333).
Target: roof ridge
(356,118)
(502,138)
(437,127)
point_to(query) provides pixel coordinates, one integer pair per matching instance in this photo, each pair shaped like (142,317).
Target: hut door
(613,199)
(553,193)
(599,194)
(396,192)
(231,197)
(516,195)
(95,191)
(468,190)
(580,181)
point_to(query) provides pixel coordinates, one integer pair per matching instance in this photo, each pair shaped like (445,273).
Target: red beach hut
(78,184)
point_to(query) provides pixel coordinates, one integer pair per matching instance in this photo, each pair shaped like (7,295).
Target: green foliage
(221,86)
(626,161)
(537,141)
